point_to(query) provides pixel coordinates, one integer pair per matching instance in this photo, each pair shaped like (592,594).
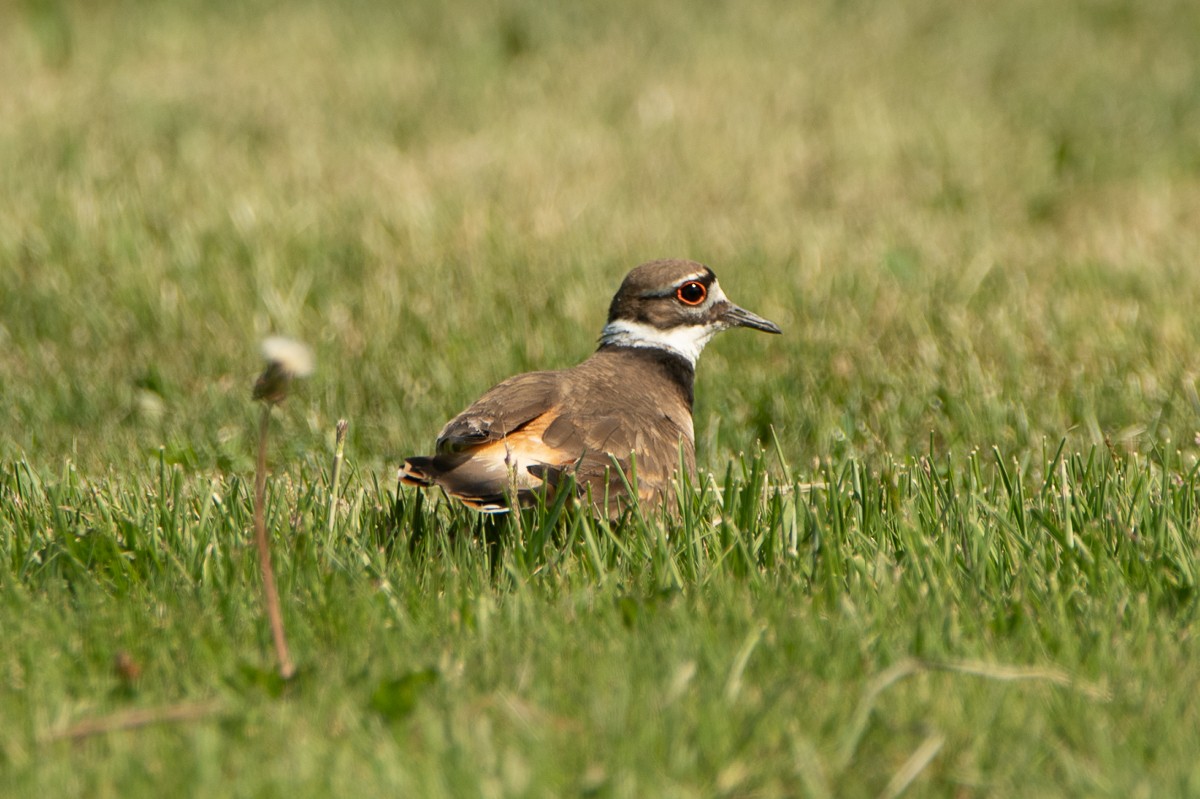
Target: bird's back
(622,415)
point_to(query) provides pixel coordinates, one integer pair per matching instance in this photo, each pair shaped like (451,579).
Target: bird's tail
(418,471)
(426,472)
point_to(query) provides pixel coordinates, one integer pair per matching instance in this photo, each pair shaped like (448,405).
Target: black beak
(740,317)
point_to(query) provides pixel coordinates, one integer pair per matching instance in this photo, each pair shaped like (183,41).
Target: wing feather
(502,411)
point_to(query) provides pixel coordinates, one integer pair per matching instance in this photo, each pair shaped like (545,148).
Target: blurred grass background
(974,221)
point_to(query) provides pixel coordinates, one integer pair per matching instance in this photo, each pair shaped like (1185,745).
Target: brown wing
(503,410)
(495,446)
(615,450)
(586,422)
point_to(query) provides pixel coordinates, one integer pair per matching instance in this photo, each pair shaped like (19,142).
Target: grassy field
(945,542)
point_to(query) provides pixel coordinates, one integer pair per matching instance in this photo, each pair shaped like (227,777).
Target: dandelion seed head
(286,359)
(291,356)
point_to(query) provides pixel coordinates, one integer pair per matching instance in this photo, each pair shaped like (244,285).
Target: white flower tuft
(289,355)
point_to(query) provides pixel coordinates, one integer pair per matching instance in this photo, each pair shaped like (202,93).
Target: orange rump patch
(519,450)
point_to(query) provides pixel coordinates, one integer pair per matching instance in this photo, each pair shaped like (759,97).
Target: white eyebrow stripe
(669,291)
(714,290)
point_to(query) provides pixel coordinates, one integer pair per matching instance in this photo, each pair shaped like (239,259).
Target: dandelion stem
(270,592)
(136,718)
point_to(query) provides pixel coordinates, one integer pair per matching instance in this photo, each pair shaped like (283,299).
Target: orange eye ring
(692,293)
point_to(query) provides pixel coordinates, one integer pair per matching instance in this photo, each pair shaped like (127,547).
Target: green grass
(945,539)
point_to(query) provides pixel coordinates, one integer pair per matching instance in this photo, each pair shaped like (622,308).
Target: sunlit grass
(811,631)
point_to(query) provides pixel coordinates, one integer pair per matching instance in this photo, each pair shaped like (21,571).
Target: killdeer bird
(628,407)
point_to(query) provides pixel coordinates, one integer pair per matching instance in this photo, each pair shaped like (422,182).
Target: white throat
(686,341)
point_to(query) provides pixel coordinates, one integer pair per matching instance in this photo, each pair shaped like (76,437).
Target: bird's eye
(691,293)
